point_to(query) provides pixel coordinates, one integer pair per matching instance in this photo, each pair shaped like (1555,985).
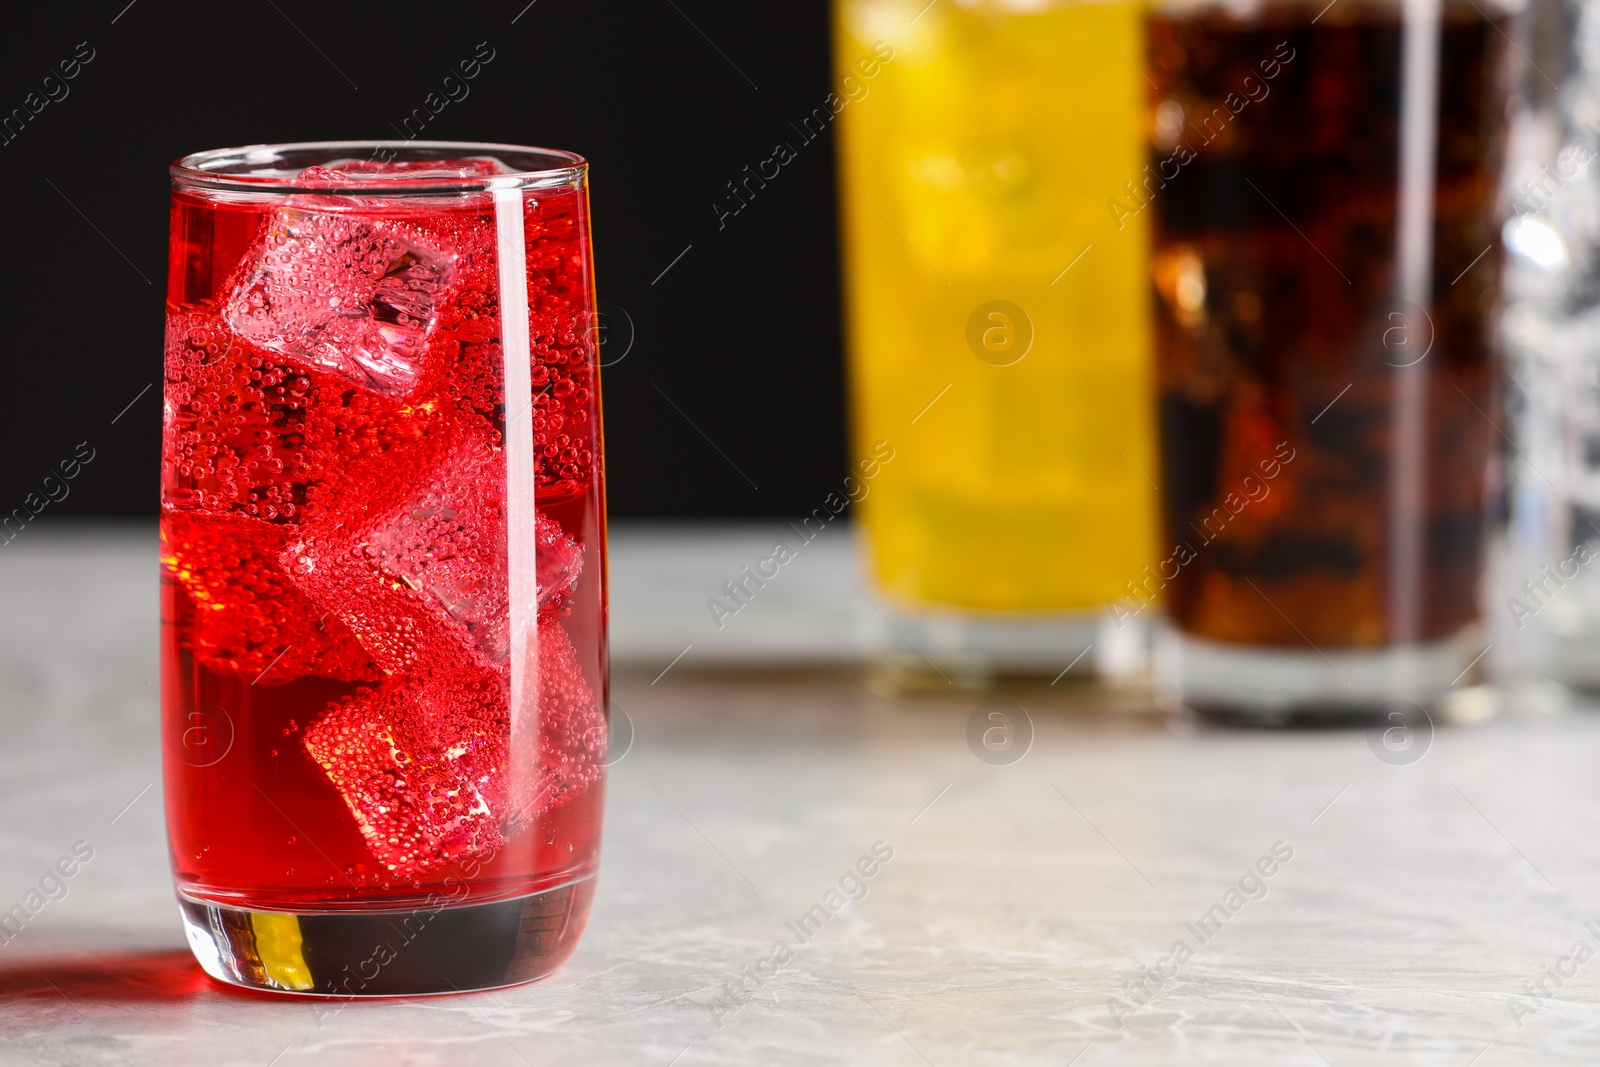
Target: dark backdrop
(668,99)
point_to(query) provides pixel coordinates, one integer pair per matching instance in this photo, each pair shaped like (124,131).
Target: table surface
(1431,912)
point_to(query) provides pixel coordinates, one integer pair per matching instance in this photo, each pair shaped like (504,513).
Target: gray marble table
(1433,912)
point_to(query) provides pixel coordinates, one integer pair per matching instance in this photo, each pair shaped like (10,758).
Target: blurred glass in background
(1326,262)
(998,326)
(1550,604)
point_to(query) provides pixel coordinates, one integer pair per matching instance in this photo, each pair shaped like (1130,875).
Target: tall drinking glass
(1550,605)
(998,326)
(1323,183)
(383,565)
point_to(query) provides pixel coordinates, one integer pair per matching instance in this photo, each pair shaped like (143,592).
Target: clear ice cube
(342,292)
(414,761)
(564,751)
(416,565)
(432,770)
(345,172)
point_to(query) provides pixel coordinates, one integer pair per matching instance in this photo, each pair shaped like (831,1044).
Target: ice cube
(338,290)
(416,565)
(413,761)
(565,752)
(447,544)
(249,620)
(412,554)
(346,172)
(428,767)
(558,560)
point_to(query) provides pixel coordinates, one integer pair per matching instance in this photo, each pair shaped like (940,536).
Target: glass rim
(249,168)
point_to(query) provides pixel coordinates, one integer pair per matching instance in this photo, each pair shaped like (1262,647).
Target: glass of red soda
(383,564)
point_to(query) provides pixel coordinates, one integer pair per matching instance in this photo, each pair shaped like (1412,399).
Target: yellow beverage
(979,164)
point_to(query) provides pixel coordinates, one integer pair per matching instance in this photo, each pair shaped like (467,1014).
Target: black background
(742,333)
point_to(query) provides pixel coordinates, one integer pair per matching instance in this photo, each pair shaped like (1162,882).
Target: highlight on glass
(383,567)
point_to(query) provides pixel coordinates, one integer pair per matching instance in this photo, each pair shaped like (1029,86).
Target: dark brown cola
(1283,330)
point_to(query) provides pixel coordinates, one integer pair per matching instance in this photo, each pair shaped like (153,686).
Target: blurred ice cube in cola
(343,293)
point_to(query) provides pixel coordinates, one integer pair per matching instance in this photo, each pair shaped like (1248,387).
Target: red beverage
(383,562)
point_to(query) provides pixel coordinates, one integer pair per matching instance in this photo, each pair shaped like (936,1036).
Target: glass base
(389,953)
(1262,686)
(939,649)
(1572,659)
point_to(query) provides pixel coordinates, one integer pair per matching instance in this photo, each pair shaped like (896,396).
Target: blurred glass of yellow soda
(996,301)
